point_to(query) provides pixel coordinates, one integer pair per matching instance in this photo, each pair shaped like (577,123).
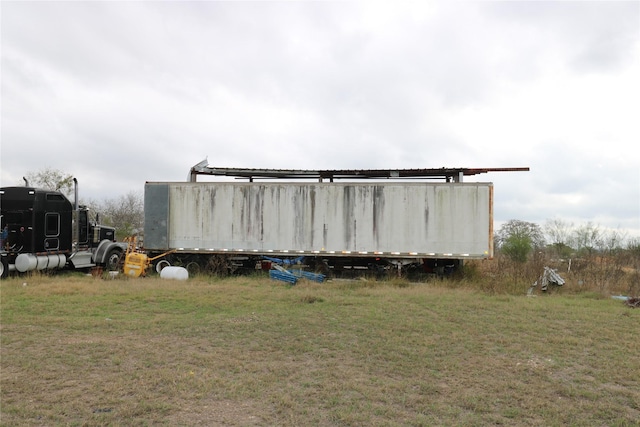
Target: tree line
(518,240)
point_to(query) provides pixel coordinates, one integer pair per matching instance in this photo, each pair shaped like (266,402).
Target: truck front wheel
(113,260)
(4,267)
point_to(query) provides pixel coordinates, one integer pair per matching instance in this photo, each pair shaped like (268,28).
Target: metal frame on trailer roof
(448,174)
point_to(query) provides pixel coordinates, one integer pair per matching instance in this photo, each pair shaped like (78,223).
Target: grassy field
(248,351)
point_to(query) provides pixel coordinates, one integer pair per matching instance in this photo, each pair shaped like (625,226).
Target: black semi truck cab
(43,230)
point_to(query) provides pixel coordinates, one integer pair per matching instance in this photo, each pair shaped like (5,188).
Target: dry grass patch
(250,351)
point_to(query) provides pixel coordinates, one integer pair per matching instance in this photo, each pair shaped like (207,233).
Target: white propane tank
(176,273)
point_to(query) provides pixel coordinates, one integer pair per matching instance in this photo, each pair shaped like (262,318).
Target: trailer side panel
(385,219)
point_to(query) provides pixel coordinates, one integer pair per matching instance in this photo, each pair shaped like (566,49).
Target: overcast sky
(120,93)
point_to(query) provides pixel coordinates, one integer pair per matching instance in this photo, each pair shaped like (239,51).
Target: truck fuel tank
(30,262)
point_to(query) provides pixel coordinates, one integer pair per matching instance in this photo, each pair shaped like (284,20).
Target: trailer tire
(193,268)
(162,264)
(4,267)
(113,260)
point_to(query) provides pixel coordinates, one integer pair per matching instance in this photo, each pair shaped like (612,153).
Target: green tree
(515,227)
(517,239)
(517,248)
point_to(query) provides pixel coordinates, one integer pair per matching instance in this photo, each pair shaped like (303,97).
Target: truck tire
(113,260)
(4,267)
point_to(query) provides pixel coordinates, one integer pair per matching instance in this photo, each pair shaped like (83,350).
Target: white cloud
(119,93)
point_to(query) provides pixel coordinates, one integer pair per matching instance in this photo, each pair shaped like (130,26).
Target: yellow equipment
(136,262)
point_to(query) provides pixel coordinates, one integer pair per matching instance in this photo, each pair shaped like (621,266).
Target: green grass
(78,350)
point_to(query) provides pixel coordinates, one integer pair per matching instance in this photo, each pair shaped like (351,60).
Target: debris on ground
(548,277)
(278,272)
(633,302)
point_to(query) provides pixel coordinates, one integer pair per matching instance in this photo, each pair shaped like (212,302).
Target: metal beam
(448,174)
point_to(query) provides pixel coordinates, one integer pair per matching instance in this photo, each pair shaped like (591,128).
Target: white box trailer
(379,216)
(393,220)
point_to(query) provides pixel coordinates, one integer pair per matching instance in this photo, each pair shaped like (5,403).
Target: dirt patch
(217,413)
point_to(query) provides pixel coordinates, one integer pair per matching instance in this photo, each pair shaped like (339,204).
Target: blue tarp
(297,260)
(311,276)
(280,273)
(283,276)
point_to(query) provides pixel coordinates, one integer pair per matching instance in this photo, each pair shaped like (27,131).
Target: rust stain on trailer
(378,211)
(348,214)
